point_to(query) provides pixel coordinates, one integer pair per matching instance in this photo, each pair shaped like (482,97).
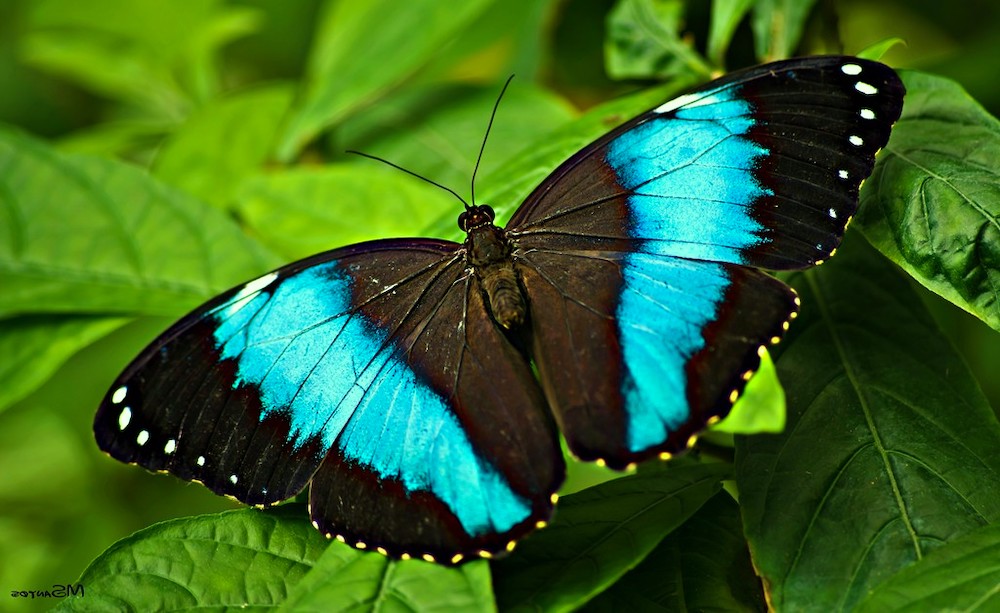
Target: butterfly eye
(488,211)
(463,221)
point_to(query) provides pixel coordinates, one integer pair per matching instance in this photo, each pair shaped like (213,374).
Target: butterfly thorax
(488,250)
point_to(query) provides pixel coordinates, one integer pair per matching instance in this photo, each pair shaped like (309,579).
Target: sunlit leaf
(726,16)
(645,41)
(255,557)
(345,579)
(933,203)
(88,235)
(358,55)
(223,142)
(34,347)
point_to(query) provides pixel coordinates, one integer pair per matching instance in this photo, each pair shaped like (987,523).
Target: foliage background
(242,109)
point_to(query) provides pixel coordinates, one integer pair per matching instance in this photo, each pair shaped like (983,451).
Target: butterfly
(420,386)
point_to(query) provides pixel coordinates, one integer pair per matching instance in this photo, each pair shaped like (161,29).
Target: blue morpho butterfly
(396,376)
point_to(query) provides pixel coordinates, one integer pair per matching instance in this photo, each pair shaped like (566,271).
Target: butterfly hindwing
(370,365)
(641,249)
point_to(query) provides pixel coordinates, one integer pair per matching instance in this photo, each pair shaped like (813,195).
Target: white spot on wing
(201,460)
(119,395)
(867,114)
(843,174)
(866,88)
(851,69)
(142,438)
(833,213)
(257,284)
(233,479)
(856,140)
(124,418)
(691,100)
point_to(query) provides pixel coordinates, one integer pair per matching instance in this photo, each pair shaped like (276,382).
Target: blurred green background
(132,80)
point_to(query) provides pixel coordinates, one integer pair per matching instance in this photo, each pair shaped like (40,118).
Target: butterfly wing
(374,371)
(639,251)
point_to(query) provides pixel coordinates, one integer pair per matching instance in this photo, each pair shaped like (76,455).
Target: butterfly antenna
(489,126)
(410,172)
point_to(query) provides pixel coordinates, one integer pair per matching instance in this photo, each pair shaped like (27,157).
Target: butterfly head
(476,216)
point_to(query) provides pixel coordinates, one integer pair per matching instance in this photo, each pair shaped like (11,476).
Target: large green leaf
(35,346)
(244,559)
(963,575)
(135,51)
(933,203)
(89,235)
(345,579)
(890,449)
(358,55)
(601,533)
(645,41)
(702,566)
(223,142)
(301,212)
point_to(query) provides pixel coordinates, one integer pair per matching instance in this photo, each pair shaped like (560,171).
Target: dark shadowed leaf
(890,449)
(963,575)
(777,27)
(601,533)
(89,235)
(726,16)
(702,566)
(933,203)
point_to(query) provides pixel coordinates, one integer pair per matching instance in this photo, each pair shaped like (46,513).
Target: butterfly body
(420,386)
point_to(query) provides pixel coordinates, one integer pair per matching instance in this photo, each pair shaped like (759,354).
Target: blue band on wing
(691,174)
(338,379)
(664,301)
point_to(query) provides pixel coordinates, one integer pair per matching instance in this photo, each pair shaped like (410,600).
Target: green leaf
(224,142)
(777,27)
(133,51)
(436,131)
(933,203)
(345,579)
(877,50)
(34,347)
(890,449)
(301,212)
(702,566)
(726,17)
(244,559)
(761,408)
(90,235)
(601,533)
(644,42)
(963,575)
(359,55)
